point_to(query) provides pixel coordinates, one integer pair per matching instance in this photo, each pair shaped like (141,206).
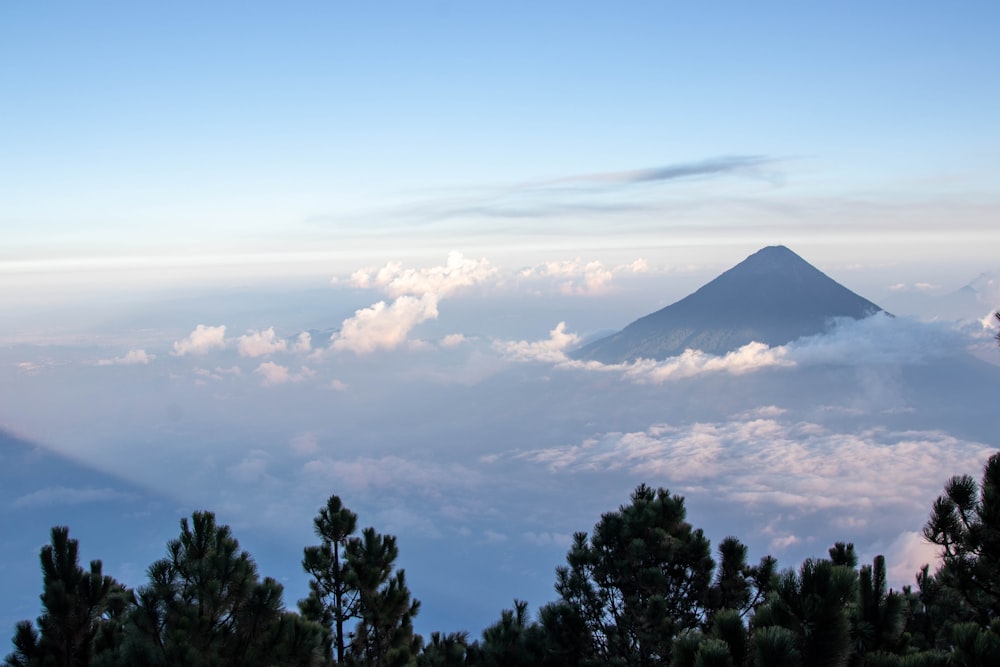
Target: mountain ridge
(773,297)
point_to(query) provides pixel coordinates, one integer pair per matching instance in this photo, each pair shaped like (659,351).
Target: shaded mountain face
(773,297)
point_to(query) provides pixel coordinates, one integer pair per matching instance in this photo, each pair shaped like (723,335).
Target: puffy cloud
(274,374)
(878,339)
(452,340)
(573,277)
(906,554)
(131,357)
(384,326)
(552,350)
(782,542)
(397,281)
(875,340)
(577,277)
(303,343)
(749,358)
(772,463)
(416,294)
(202,340)
(260,343)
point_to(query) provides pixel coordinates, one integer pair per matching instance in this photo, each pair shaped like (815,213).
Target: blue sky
(191,131)
(252,255)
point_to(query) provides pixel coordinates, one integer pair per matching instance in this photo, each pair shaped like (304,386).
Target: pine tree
(205,605)
(640,580)
(74,602)
(384,635)
(331,601)
(965,523)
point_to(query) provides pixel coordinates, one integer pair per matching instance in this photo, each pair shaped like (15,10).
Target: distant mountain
(773,297)
(972,301)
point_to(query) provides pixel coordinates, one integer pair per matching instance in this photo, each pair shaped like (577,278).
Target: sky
(254,255)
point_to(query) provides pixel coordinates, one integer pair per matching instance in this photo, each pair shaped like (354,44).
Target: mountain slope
(774,296)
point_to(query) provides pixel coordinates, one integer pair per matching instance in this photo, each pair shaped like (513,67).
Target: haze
(252,256)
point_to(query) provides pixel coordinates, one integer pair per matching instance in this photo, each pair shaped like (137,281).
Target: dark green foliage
(685,649)
(513,641)
(727,627)
(975,646)
(565,634)
(445,650)
(965,523)
(642,578)
(331,601)
(813,605)
(638,592)
(713,653)
(879,616)
(204,605)
(74,604)
(775,646)
(843,554)
(25,646)
(384,634)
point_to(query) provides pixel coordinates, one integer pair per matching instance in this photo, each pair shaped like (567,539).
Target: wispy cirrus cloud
(65,495)
(600,194)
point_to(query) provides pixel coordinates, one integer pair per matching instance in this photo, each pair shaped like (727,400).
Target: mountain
(972,301)
(773,297)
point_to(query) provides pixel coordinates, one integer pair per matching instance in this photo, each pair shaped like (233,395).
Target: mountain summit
(773,297)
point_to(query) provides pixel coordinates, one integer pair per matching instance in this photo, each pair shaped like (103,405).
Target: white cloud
(62,495)
(253,468)
(275,374)
(552,350)
(452,340)
(303,343)
(766,462)
(909,552)
(416,294)
(201,341)
(428,478)
(782,542)
(493,536)
(879,339)
(577,277)
(546,539)
(384,326)
(131,357)
(338,385)
(397,281)
(260,343)
(305,444)
(751,357)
